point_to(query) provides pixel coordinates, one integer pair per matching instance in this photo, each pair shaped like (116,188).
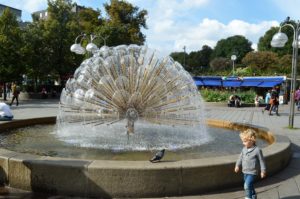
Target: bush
(223,95)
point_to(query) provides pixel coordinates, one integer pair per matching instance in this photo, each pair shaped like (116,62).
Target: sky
(173,24)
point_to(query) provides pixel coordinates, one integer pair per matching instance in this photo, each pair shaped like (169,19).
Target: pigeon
(158,156)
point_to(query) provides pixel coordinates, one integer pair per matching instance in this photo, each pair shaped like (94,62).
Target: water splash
(131,89)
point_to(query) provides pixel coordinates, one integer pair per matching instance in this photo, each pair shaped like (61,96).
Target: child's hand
(236,169)
(263,174)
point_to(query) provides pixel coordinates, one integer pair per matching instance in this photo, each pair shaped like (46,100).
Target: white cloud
(28,5)
(207,32)
(34,5)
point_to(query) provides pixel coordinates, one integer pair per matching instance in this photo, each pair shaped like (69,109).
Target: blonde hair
(248,134)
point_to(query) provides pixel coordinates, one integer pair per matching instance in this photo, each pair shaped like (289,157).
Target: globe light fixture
(279,40)
(90,47)
(233,58)
(76,47)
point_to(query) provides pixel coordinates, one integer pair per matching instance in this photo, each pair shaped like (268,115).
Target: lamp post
(233,58)
(279,40)
(184,56)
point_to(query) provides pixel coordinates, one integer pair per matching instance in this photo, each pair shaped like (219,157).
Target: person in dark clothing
(15,91)
(237,101)
(274,102)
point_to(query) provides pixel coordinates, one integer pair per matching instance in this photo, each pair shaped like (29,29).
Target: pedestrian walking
(15,91)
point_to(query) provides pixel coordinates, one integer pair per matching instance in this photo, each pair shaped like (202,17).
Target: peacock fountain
(126,90)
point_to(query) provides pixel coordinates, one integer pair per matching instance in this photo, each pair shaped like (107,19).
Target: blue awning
(250,83)
(231,83)
(199,83)
(269,84)
(208,82)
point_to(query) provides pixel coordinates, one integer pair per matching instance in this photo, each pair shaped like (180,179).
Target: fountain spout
(132,116)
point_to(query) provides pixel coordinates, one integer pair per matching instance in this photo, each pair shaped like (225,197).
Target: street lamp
(233,58)
(279,40)
(90,47)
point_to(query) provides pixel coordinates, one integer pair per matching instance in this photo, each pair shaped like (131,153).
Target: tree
(264,43)
(36,52)
(10,49)
(181,57)
(89,20)
(285,65)
(237,45)
(124,23)
(199,60)
(266,61)
(61,29)
(219,64)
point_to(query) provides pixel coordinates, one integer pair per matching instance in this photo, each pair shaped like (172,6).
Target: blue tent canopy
(252,83)
(199,83)
(233,81)
(211,82)
(229,83)
(269,84)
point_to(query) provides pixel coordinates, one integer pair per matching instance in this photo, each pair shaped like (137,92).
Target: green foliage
(261,60)
(220,63)
(214,95)
(11,59)
(223,95)
(237,45)
(246,71)
(59,33)
(89,20)
(35,51)
(181,57)
(264,43)
(124,23)
(285,65)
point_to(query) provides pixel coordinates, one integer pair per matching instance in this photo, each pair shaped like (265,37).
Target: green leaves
(237,45)
(10,47)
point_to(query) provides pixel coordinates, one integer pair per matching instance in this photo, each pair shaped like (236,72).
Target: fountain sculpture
(128,89)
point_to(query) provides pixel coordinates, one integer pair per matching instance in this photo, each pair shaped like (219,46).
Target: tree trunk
(4,91)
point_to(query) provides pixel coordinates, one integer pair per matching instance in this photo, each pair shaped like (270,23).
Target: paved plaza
(284,185)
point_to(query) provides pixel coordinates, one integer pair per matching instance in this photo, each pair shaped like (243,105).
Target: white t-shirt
(5,110)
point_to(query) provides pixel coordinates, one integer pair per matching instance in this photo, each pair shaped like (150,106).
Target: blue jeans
(6,118)
(248,186)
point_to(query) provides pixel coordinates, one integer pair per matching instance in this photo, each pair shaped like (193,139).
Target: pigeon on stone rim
(158,156)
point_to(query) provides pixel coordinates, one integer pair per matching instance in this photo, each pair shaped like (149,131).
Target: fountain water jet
(133,88)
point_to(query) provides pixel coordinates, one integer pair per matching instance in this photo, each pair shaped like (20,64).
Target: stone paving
(284,185)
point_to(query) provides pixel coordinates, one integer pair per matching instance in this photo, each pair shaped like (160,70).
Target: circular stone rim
(108,178)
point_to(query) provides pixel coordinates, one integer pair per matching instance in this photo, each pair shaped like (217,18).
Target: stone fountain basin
(108,179)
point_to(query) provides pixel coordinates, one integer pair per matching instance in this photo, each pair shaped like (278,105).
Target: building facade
(43,14)
(15,11)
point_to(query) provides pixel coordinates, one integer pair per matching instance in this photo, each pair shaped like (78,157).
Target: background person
(274,101)
(237,101)
(5,112)
(297,98)
(256,100)
(15,91)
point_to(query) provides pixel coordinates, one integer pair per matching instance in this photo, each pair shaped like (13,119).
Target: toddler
(249,160)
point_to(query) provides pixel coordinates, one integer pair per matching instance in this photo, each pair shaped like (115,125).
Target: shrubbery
(223,95)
